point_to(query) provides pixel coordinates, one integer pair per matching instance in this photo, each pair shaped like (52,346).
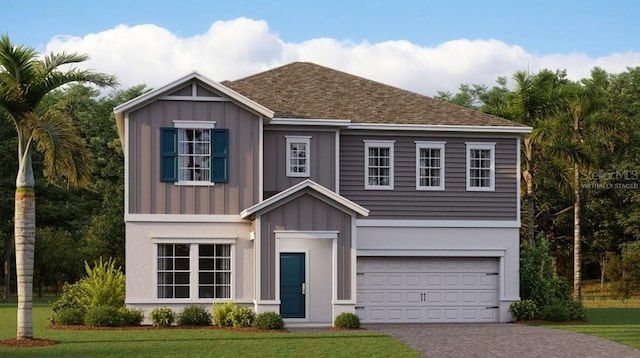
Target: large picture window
(194,270)
(378,164)
(430,165)
(481,166)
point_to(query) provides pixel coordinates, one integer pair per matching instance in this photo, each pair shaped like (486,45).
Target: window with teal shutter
(169,154)
(220,155)
(192,155)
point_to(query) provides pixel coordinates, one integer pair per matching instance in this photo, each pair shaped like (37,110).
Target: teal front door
(292,285)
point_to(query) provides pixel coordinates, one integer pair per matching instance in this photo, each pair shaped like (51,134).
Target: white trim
(378,144)
(257,257)
(439,128)
(125,151)
(152,95)
(498,253)
(492,170)
(437,223)
(193,183)
(518,181)
(430,145)
(261,159)
(306,140)
(293,234)
(182,218)
(194,98)
(292,191)
(337,162)
(194,240)
(310,122)
(178,123)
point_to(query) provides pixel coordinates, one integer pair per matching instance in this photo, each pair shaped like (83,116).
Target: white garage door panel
(421,289)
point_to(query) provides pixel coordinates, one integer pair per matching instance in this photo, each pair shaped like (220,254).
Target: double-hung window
(378,164)
(429,165)
(298,159)
(193,270)
(481,166)
(194,153)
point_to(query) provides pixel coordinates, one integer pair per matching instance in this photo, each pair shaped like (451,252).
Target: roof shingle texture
(310,91)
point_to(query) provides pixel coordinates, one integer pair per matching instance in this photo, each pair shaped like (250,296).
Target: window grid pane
(430,167)
(214,271)
(379,171)
(297,157)
(480,168)
(194,155)
(173,271)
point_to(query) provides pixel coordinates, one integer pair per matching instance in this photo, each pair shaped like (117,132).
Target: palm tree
(534,103)
(24,80)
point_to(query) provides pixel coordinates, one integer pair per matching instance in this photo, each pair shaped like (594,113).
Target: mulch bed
(34,342)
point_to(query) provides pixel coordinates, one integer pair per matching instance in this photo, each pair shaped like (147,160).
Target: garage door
(427,289)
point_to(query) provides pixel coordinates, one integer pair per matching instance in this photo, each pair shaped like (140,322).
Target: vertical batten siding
(323,154)
(454,203)
(305,213)
(148,195)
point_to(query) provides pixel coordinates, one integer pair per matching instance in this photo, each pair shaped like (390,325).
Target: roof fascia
(311,122)
(235,96)
(440,128)
(294,190)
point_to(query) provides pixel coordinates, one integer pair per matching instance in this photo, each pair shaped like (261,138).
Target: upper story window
(298,157)
(430,165)
(481,166)
(194,153)
(378,164)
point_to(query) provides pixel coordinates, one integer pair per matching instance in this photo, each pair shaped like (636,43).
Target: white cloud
(233,49)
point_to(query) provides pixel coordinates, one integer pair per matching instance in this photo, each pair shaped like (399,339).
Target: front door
(292,285)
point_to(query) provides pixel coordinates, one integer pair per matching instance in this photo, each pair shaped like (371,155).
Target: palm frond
(64,152)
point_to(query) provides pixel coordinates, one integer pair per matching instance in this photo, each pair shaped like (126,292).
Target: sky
(424,46)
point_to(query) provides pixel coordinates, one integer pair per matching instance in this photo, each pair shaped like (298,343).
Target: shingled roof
(310,91)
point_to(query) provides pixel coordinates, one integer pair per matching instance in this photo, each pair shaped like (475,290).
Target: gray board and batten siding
(404,202)
(322,156)
(148,195)
(305,213)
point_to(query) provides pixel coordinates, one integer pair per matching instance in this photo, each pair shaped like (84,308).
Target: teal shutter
(169,154)
(220,155)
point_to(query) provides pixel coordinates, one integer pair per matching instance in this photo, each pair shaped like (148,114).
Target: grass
(620,325)
(195,342)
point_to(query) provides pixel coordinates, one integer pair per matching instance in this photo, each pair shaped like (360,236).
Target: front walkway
(500,340)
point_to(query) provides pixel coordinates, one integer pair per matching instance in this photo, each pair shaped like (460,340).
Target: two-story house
(310,192)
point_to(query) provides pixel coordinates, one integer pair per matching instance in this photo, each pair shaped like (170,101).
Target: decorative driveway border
(500,340)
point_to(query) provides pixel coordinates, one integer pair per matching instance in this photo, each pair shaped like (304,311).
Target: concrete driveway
(500,340)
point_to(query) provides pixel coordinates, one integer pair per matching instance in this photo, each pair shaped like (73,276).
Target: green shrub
(268,321)
(103,285)
(525,310)
(242,316)
(556,312)
(538,281)
(103,316)
(68,316)
(347,320)
(162,316)
(131,316)
(576,310)
(194,316)
(222,314)
(68,300)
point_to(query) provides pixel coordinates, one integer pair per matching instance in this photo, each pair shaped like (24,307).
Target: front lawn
(620,325)
(195,342)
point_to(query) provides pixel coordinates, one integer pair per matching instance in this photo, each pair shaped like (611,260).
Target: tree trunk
(7,269)
(577,280)
(528,179)
(25,234)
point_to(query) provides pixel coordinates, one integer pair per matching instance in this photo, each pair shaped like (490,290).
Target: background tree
(24,81)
